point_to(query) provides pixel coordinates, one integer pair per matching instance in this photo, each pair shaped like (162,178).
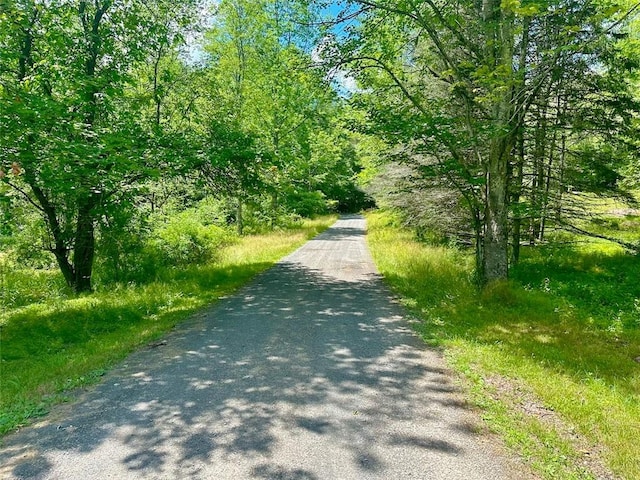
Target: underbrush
(133,248)
(58,341)
(550,356)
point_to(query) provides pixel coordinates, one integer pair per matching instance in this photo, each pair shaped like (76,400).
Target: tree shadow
(604,284)
(562,319)
(295,360)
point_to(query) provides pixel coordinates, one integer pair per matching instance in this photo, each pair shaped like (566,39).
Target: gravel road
(308,373)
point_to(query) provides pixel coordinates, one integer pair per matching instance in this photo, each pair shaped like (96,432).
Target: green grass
(548,356)
(611,217)
(59,343)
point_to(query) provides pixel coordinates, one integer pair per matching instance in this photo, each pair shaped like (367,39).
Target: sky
(333,10)
(342,80)
(344,83)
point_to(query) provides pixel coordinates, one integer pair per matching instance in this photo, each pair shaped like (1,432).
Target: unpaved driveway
(308,373)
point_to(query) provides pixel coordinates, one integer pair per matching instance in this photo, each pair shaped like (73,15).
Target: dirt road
(308,373)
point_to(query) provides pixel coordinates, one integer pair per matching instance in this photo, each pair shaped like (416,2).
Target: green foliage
(104,122)
(498,108)
(139,248)
(593,278)
(281,131)
(549,355)
(307,204)
(236,162)
(122,248)
(25,244)
(71,141)
(20,286)
(185,241)
(132,247)
(595,168)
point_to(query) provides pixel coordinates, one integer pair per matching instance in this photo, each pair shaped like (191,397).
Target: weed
(565,327)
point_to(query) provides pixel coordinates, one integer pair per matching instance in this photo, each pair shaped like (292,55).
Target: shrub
(28,241)
(136,248)
(186,241)
(307,204)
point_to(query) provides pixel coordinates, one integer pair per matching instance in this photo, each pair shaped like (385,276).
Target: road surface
(308,373)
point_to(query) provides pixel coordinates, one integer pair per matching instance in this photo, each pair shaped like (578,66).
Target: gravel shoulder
(310,372)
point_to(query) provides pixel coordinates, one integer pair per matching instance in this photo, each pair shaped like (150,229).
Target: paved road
(308,373)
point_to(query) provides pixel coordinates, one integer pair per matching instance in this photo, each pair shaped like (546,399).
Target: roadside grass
(63,342)
(548,356)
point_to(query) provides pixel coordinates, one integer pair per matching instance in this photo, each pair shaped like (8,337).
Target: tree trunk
(84,248)
(537,189)
(495,262)
(550,165)
(478,233)
(157,98)
(59,249)
(516,229)
(499,55)
(545,196)
(274,207)
(561,186)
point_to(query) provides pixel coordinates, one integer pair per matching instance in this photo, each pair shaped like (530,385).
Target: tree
(74,145)
(264,87)
(234,166)
(455,84)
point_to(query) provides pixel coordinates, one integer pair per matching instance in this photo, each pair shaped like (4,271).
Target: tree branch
(383,66)
(24,194)
(632,247)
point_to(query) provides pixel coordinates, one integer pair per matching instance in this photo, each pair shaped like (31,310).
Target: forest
(146,146)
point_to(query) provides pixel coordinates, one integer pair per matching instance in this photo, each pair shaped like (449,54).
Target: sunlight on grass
(50,347)
(565,329)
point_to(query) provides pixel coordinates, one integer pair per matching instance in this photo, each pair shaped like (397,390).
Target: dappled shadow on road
(294,360)
(340,234)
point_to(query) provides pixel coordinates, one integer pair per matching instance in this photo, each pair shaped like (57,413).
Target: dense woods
(108,115)
(488,116)
(502,108)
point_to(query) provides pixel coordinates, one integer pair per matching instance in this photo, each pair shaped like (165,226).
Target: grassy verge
(51,347)
(549,356)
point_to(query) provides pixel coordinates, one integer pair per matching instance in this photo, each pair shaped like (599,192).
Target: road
(308,373)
